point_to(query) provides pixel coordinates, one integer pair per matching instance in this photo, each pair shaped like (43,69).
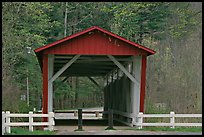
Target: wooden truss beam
(92,80)
(68,64)
(123,69)
(57,86)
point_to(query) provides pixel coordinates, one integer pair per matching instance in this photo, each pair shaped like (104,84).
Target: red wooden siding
(143,83)
(149,51)
(95,43)
(45,86)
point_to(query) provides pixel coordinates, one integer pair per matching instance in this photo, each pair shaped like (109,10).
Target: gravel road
(120,130)
(126,132)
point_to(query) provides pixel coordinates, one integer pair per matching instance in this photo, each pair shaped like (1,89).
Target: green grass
(21,131)
(178,129)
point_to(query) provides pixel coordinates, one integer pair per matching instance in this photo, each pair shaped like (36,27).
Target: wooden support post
(111,92)
(45,87)
(126,94)
(50,83)
(143,83)
(135,88)
(110,119)
(80,120)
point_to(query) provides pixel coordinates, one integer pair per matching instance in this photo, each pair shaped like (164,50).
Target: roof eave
(64,39)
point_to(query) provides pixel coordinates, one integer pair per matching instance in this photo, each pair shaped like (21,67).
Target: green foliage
(183,21)
(137,20)
(23,107)
(63,88)
(152,109)
(25,24)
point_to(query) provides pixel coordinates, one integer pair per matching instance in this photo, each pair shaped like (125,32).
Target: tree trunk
(76,91)
(65,20)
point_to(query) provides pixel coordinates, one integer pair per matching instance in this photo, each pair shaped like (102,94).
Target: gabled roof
(150,51)
(93,46)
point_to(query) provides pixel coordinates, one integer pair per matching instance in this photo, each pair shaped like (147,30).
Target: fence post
(140,120)
(75,113)
(30,121)
(134,121)
(3,122)
(172,119)
(8,128)
(51,121)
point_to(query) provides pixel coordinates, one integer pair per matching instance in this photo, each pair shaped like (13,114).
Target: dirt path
(120,130)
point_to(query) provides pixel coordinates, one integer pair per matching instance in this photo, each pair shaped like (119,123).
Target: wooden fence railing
(95,113)
(140,122)
(89,113)
(7,124)
(73,114)
(172,117)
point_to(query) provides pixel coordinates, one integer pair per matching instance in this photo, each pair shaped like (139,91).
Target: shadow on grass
(79,130)
(110,128)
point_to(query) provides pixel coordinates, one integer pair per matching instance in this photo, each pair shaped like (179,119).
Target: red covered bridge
(97,52)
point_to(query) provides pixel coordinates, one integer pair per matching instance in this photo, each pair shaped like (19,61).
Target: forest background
(172,29)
